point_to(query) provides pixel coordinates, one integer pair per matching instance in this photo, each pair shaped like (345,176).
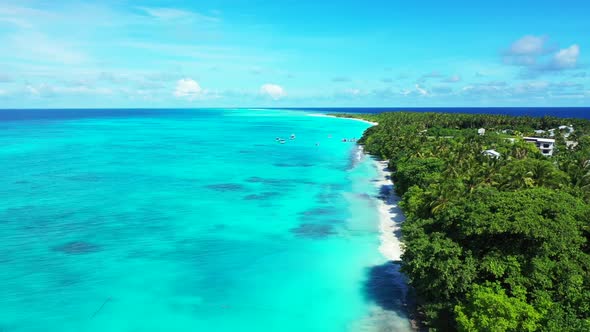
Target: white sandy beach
(390,215)
(390,219)
(330,116)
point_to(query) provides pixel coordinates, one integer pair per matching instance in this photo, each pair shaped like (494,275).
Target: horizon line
(303,108)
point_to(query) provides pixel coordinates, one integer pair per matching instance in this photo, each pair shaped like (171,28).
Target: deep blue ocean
(561,112)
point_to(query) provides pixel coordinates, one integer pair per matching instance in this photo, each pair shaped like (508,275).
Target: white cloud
(520,60)
(353,92)
(528,88)
(417,91)
(566,58)
(526,51)
(41,48)
(47,90)
(528,45)
(21,17)
(174,14)
(532,53)
(421,90)
(273,91)
(189,89)
(425,77)
(82,89)
(525,91)
(567,95)
(453,79)
(568,85)
(489,89)
(33,90)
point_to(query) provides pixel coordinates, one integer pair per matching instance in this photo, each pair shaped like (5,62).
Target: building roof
(492,153)
(539,139)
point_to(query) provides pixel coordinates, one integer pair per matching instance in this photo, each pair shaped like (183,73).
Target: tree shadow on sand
(386,286)
(388,196)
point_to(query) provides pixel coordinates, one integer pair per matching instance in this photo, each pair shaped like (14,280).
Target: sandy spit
(336,117)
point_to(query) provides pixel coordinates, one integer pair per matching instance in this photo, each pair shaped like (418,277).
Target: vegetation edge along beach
(497,217)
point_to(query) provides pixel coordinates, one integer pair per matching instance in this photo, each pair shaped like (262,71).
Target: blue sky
(248,53)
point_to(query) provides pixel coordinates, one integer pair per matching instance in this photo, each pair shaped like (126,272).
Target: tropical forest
(497,229)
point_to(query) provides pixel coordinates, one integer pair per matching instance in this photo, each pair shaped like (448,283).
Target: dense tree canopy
(491,244)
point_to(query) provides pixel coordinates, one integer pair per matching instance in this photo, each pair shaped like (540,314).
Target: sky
(300,53)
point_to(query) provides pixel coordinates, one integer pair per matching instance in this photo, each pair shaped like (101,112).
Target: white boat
(292,136)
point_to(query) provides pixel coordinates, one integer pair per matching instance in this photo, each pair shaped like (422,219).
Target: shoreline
(337,117)
(390,246)
(399,314)
(390,214)
(390,219)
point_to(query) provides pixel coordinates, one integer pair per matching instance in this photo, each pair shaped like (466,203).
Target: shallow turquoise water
(185,220)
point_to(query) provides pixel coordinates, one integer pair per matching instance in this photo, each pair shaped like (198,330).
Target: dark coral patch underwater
(313,231)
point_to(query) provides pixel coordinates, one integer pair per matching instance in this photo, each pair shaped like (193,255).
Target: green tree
(491,244)
(488,309)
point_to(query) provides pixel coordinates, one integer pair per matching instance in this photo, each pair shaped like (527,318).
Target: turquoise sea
(190,220)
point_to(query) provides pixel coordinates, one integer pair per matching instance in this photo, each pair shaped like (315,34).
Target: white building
(481,131)
(492,154)
(568,131)
(546,145)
